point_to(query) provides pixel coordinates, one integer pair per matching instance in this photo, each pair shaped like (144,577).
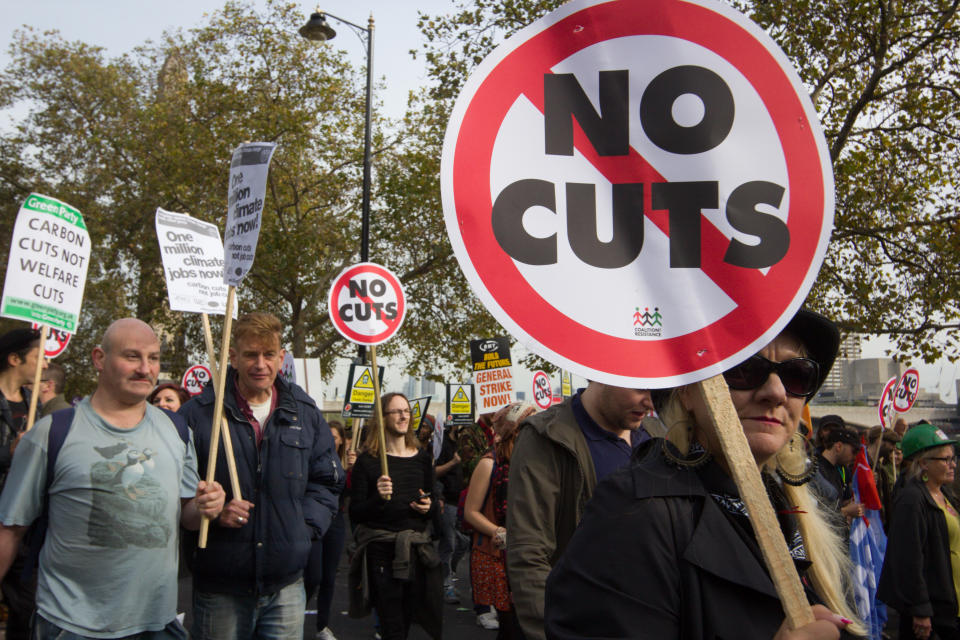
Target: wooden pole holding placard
(41,354)
(355,436)
(876,457)
(218,407)
(379,410)
(742,466)
(876,452)
(893,462)
(224,427)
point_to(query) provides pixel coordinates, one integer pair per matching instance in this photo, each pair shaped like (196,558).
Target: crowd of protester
(612,514)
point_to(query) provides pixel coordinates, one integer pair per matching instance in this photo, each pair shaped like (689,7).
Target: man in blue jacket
(248,581)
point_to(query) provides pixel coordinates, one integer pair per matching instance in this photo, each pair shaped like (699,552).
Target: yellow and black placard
(566,384)
(460,404)
(490,353)
(418,409)
(358,399)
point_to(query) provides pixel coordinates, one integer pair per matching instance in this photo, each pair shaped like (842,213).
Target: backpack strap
(62,420)
(183,429)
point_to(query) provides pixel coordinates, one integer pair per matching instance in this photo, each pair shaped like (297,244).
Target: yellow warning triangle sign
(460,396)
(365,381)
(416,410)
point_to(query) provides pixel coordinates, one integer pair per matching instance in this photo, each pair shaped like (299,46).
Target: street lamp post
(318,30)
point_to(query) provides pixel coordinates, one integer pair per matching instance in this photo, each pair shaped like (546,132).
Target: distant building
(861,381)
(868,377)
(429,387)
(412,388)
(850,351)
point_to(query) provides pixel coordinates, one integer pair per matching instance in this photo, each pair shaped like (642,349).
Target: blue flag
(868,544)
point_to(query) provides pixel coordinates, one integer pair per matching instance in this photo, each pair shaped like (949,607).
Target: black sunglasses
(798,375)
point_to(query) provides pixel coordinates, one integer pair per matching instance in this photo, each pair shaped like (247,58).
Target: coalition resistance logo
(647,324)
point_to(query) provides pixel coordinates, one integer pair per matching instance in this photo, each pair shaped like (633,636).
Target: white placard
(47,267)
(192,257)
(248,188)
(289,368)
(677,227)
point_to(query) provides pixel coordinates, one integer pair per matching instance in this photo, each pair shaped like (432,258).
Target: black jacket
(917,579)
(8,432)
(294,481)
(656,557)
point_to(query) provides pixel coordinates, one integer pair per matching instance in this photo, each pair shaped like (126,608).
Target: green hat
(921,437)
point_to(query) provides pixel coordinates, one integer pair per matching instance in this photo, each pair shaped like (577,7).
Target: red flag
(863,476)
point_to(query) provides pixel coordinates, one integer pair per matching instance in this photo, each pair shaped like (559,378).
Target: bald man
(124,478)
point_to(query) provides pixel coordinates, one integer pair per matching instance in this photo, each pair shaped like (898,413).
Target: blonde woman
(665,548)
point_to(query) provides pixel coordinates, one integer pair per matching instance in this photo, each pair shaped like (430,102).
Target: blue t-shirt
(108,567)
(609,452)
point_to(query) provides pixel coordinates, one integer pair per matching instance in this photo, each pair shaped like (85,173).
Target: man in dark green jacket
(559,457)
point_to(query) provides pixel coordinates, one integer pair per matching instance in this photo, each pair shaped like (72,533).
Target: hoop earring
(924,477)
(796,462)
(684,460)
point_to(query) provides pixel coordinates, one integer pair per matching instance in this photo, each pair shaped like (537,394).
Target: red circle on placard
(541,384)
(775,295)
(909,374)
(195,379)
(886,404)
(342,281)
(57,341)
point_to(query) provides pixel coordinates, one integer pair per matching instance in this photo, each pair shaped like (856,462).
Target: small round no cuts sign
(195,379)
(542,390)
(367,303)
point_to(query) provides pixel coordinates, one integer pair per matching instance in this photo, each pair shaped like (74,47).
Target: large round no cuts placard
(638,191)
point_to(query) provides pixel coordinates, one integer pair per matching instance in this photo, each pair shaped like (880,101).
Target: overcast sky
(120,25)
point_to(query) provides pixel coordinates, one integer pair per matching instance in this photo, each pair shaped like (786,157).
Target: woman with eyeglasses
(921,570)
(665,548)
(390,515)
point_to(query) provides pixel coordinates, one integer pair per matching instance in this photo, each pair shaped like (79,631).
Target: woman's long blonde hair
(826,550)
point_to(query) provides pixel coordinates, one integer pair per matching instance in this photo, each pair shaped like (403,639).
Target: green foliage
(118,138)
(883,75)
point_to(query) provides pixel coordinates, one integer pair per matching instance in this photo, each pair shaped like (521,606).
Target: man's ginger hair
(262,327)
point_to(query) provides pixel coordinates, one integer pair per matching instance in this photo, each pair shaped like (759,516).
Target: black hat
(820,337)
(832,419)
(16,340)
(844,435)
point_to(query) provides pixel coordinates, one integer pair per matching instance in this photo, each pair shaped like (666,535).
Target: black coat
(294,480)
(917,578)
(655,557)
(8,432)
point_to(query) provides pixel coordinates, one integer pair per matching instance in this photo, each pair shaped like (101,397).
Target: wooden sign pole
(224,427)
(355,436)
(218,407)
(716,396)
(876,452)
(377,408)
(32,413)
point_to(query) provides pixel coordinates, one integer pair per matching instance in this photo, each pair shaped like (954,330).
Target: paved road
(459,621)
